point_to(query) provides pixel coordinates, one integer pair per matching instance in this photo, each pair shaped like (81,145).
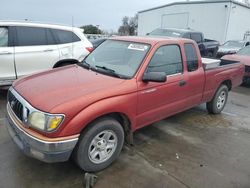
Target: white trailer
(220,20)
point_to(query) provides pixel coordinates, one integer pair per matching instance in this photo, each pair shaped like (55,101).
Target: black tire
(213,106)
(81,154)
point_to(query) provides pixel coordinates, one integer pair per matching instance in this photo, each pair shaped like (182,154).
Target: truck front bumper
(47,150)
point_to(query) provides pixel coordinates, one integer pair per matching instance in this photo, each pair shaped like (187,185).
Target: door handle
(48,50)
(182,83)
(5,53)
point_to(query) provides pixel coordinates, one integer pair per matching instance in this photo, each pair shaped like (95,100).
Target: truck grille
(247,68)
(15,105)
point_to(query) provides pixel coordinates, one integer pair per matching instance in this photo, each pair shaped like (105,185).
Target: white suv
(27,48)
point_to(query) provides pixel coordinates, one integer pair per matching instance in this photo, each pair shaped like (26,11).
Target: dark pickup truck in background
(208,48)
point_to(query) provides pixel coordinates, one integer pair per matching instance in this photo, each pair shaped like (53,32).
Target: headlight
(37,120)
(44,122)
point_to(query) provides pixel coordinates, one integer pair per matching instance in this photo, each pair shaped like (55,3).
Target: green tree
(129,26)
(91,29)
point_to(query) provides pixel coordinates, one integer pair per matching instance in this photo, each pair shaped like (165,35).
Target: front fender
(125,104)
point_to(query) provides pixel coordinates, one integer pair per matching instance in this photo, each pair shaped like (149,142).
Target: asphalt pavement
(191,149)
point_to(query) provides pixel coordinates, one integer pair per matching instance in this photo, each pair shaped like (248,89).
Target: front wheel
(100,145)
(217,104)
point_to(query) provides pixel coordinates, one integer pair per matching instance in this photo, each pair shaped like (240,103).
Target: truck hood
(243,59)
(46,90)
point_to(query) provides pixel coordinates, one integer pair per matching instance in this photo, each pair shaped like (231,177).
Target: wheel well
(228,83)
(65,61)
(124,121)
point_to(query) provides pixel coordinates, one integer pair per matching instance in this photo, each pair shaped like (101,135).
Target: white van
(27,48)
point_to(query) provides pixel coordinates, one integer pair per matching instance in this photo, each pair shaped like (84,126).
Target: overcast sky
(107,14)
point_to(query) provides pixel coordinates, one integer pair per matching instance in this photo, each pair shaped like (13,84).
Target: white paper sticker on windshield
(139,47)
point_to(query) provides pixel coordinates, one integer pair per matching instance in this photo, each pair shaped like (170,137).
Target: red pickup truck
(88,110)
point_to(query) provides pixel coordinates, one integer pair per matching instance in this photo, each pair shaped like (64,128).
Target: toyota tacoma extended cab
(88,110)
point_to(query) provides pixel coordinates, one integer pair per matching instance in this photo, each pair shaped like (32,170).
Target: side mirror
(155,77)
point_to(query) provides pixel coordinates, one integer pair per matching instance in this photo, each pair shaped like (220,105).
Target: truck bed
(218,72)
(209,63)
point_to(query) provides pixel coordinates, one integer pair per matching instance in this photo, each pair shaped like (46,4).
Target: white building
(220,20)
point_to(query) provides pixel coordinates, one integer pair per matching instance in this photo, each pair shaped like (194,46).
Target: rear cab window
(197,37)
(187,36)
(4,36)
(192,58)
(167,59)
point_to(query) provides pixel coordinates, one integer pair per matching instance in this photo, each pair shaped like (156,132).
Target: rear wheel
(217,104)
(100,145)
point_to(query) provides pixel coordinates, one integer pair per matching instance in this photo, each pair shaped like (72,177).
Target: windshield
(118,57)
(245,51)
(237,44)
(166,32)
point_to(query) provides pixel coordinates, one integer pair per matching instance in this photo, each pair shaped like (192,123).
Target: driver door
(159,100)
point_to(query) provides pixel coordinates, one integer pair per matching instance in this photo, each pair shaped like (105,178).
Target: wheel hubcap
(221,100)
(102,147)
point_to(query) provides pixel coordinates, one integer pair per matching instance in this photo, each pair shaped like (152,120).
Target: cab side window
(192,58)
(3,37)
(167,59)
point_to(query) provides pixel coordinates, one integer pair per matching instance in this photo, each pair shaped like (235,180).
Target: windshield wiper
(101,69)
(109,71)
(105,68)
